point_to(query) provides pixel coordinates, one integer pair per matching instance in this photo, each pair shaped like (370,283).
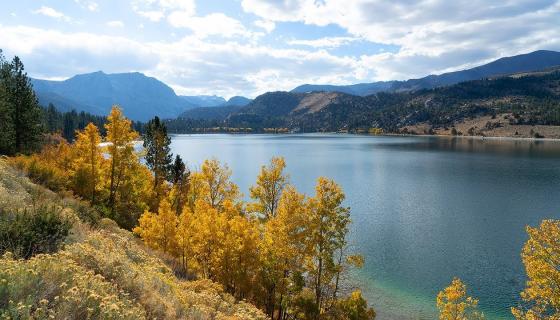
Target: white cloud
(156,10)
(115,24)
(71,53)
(327,42)
(92,6)
(50,12)
(191,65)
(267,25)
(153,16)
(215,24)
(432,35)
(87,4)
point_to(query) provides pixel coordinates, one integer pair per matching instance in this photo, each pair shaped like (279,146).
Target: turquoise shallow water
(424,209)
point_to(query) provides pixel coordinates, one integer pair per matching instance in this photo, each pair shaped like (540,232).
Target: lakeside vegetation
(196,248)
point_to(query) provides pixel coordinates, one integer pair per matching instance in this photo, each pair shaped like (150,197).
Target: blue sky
(248,47)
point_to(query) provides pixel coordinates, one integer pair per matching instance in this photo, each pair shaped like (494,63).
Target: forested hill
(531,98)
(537,60)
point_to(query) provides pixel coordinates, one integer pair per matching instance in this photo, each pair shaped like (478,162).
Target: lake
(424,209)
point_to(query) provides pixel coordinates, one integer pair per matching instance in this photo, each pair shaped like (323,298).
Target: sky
(248,47)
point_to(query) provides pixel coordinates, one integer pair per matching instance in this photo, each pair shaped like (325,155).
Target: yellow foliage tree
(283,251)
(208,236)
(184,237)
(120,137)
(268,190)
(87,163)
(353,307)
(541,256)
(454,304)
(128,181)
(159,230)
(327,226)
(213,184)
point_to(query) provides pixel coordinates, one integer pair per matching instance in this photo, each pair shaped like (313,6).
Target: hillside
(217,112)
(528,99)
(521,63)
(100,272)
(203,101)
(210,113)
(140,96)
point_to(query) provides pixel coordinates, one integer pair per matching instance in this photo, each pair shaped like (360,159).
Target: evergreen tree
(158,153)
(178,170)
(7,132)
(52,119)
(24,108)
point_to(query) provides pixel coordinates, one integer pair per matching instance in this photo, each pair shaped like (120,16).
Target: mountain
(361,89)
(141,97)
(533,61)
(238,101)
(219,112)
(204,101)
(521,99)
(210,113)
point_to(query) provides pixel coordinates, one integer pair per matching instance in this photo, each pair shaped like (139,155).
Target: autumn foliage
(283,251)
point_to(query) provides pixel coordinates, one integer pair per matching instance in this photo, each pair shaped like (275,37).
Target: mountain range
(521,63)
(526,98)
(141,97)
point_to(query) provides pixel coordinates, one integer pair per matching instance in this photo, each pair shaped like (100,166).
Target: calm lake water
(424,209)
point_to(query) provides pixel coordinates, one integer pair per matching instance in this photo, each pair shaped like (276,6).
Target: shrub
(53,286)
(41,172)
(33,231)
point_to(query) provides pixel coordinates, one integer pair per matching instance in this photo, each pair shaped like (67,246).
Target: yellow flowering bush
(55,287)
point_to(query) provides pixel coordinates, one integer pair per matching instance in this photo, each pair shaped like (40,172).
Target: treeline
(67,123)
(283,251)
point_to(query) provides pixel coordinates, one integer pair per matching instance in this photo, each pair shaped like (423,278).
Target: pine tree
(158,153)
(181,184)
(7,131)
(24,107)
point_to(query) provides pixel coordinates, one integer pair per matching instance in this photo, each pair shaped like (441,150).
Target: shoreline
(473,137)
(380,135)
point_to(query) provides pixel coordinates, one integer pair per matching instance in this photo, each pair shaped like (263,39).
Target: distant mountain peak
(141,97)
(533,61)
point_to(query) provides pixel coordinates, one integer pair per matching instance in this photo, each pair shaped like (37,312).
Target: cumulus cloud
(267,25)
(430,36)
(50,12)
(215,24)
(72,53)
(190,65)
(437,34)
